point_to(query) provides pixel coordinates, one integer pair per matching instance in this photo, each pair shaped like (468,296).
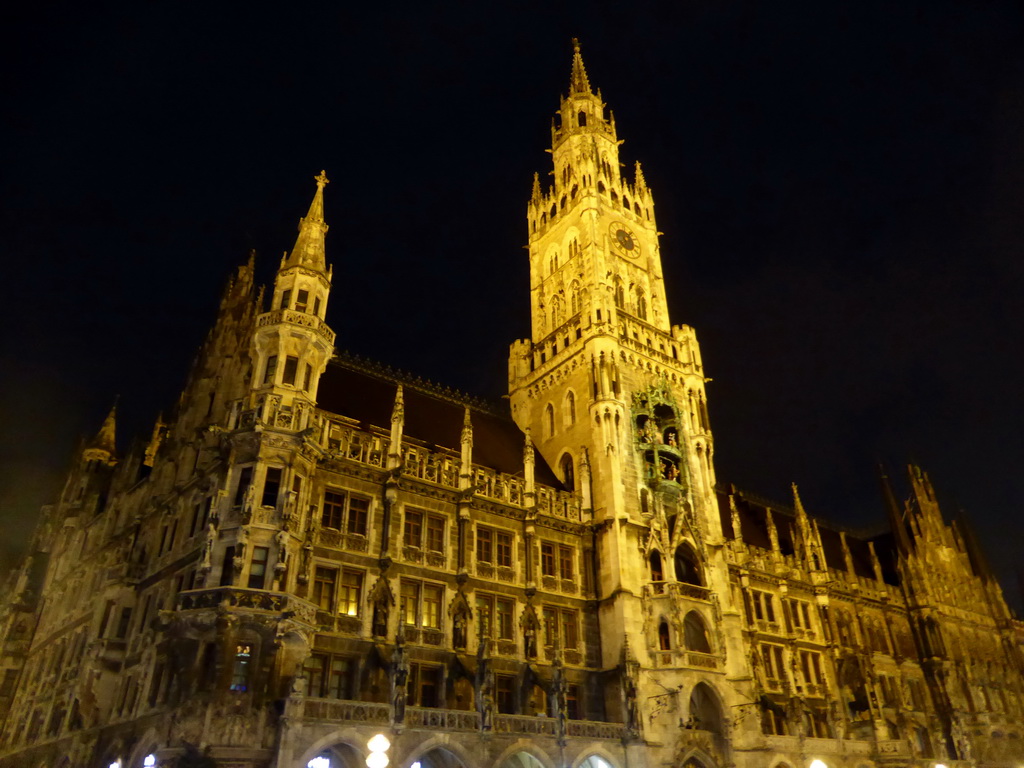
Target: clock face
(624,242)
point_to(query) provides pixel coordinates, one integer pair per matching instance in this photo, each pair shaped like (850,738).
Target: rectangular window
(432,598)
(763,608)
(351,592)
(565,558)
(570,629)
(435,534)
(421,604)
(503,549)
(410,602)
(270,372)
(313,670)
(503,624)
(316,306)
(271,487)
(572,702)
(485,614)
(286,297)
(333,510)
(547,559)
(504,686)
(771,658)
(123,623)
(484,545)
(550,626)
(258,567)
(324,582)
(342,512)
(308,378)
(338,679)
(423,685)
(358,511)
(291,369)
(228,566)
(244,481)
(301,301)
(413,528)
(240,673)
(195,520)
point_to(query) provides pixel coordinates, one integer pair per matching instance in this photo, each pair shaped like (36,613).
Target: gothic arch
(440,751)
(704,709)
(695,633)
(569,415)
(595,757)
(523,754)
(345,745)
(549,421)
(687,564)
(567,469)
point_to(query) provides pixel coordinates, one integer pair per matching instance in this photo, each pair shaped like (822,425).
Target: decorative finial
(578,82)
(322,179)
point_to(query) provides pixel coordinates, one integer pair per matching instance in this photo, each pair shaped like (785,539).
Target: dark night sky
(841,188)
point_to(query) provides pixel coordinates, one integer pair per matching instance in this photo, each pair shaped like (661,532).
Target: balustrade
(248,599)
(336,710)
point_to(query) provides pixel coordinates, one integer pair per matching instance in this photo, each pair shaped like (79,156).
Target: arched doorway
(595,761)
(705,712)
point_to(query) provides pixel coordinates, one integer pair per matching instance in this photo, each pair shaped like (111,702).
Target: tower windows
(601,187)
(301,301)
(271,487)
(625,202)
(657,572)
(291,369)
(574,297)
(286,298)
(316,306)
(270,372)
(568,475)
(570,408)
(308,378)
(620,294)
(581,118)
(641,304)
(549,421)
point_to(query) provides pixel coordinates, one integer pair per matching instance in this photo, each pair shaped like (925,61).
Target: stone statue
(399,680)
(380,619)
(282,548)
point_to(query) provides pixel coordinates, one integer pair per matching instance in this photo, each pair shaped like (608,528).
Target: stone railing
(337,710)
(247,599)
(701,660)
(536,726)
(894,749)
(297,318)
(589,729)
(691,591)
(442,719)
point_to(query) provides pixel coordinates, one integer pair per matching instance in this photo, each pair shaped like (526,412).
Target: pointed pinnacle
(798,505)
(535,195)
(309,245)
(578,81)
(106,438)
(641,182)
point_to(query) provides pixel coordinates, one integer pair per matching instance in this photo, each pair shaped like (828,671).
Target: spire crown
(309,248)
(578,80)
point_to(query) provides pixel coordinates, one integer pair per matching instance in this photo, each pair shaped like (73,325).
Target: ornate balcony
(256,600)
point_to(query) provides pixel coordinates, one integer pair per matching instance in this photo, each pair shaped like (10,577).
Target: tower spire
(104,445)
(578,81)
(309,245)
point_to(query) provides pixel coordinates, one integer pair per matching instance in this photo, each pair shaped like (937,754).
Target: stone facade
(314,550)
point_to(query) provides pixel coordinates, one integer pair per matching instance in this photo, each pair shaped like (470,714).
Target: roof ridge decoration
(861,533)
(381,370)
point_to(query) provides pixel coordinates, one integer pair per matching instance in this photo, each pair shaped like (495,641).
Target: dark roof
(753,515)
(365,392)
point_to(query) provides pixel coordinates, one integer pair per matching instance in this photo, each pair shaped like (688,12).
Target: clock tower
(611,392)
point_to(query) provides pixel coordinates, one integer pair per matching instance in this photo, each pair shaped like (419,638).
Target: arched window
(687,568)
(570,408)
(240,672)
(625,202)
(641,304)
(695,635)
(549,420)
(657,572)
(574,297)
(581,118)
(601,187)
(620,294)
(664,639)
(568,473)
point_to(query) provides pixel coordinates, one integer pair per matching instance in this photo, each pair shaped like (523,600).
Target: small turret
(103,447)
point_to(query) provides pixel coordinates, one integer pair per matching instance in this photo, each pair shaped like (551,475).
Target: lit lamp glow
(818,764)
(378,746)
(940,765)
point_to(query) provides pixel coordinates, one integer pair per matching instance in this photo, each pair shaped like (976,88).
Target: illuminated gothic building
(315,550)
